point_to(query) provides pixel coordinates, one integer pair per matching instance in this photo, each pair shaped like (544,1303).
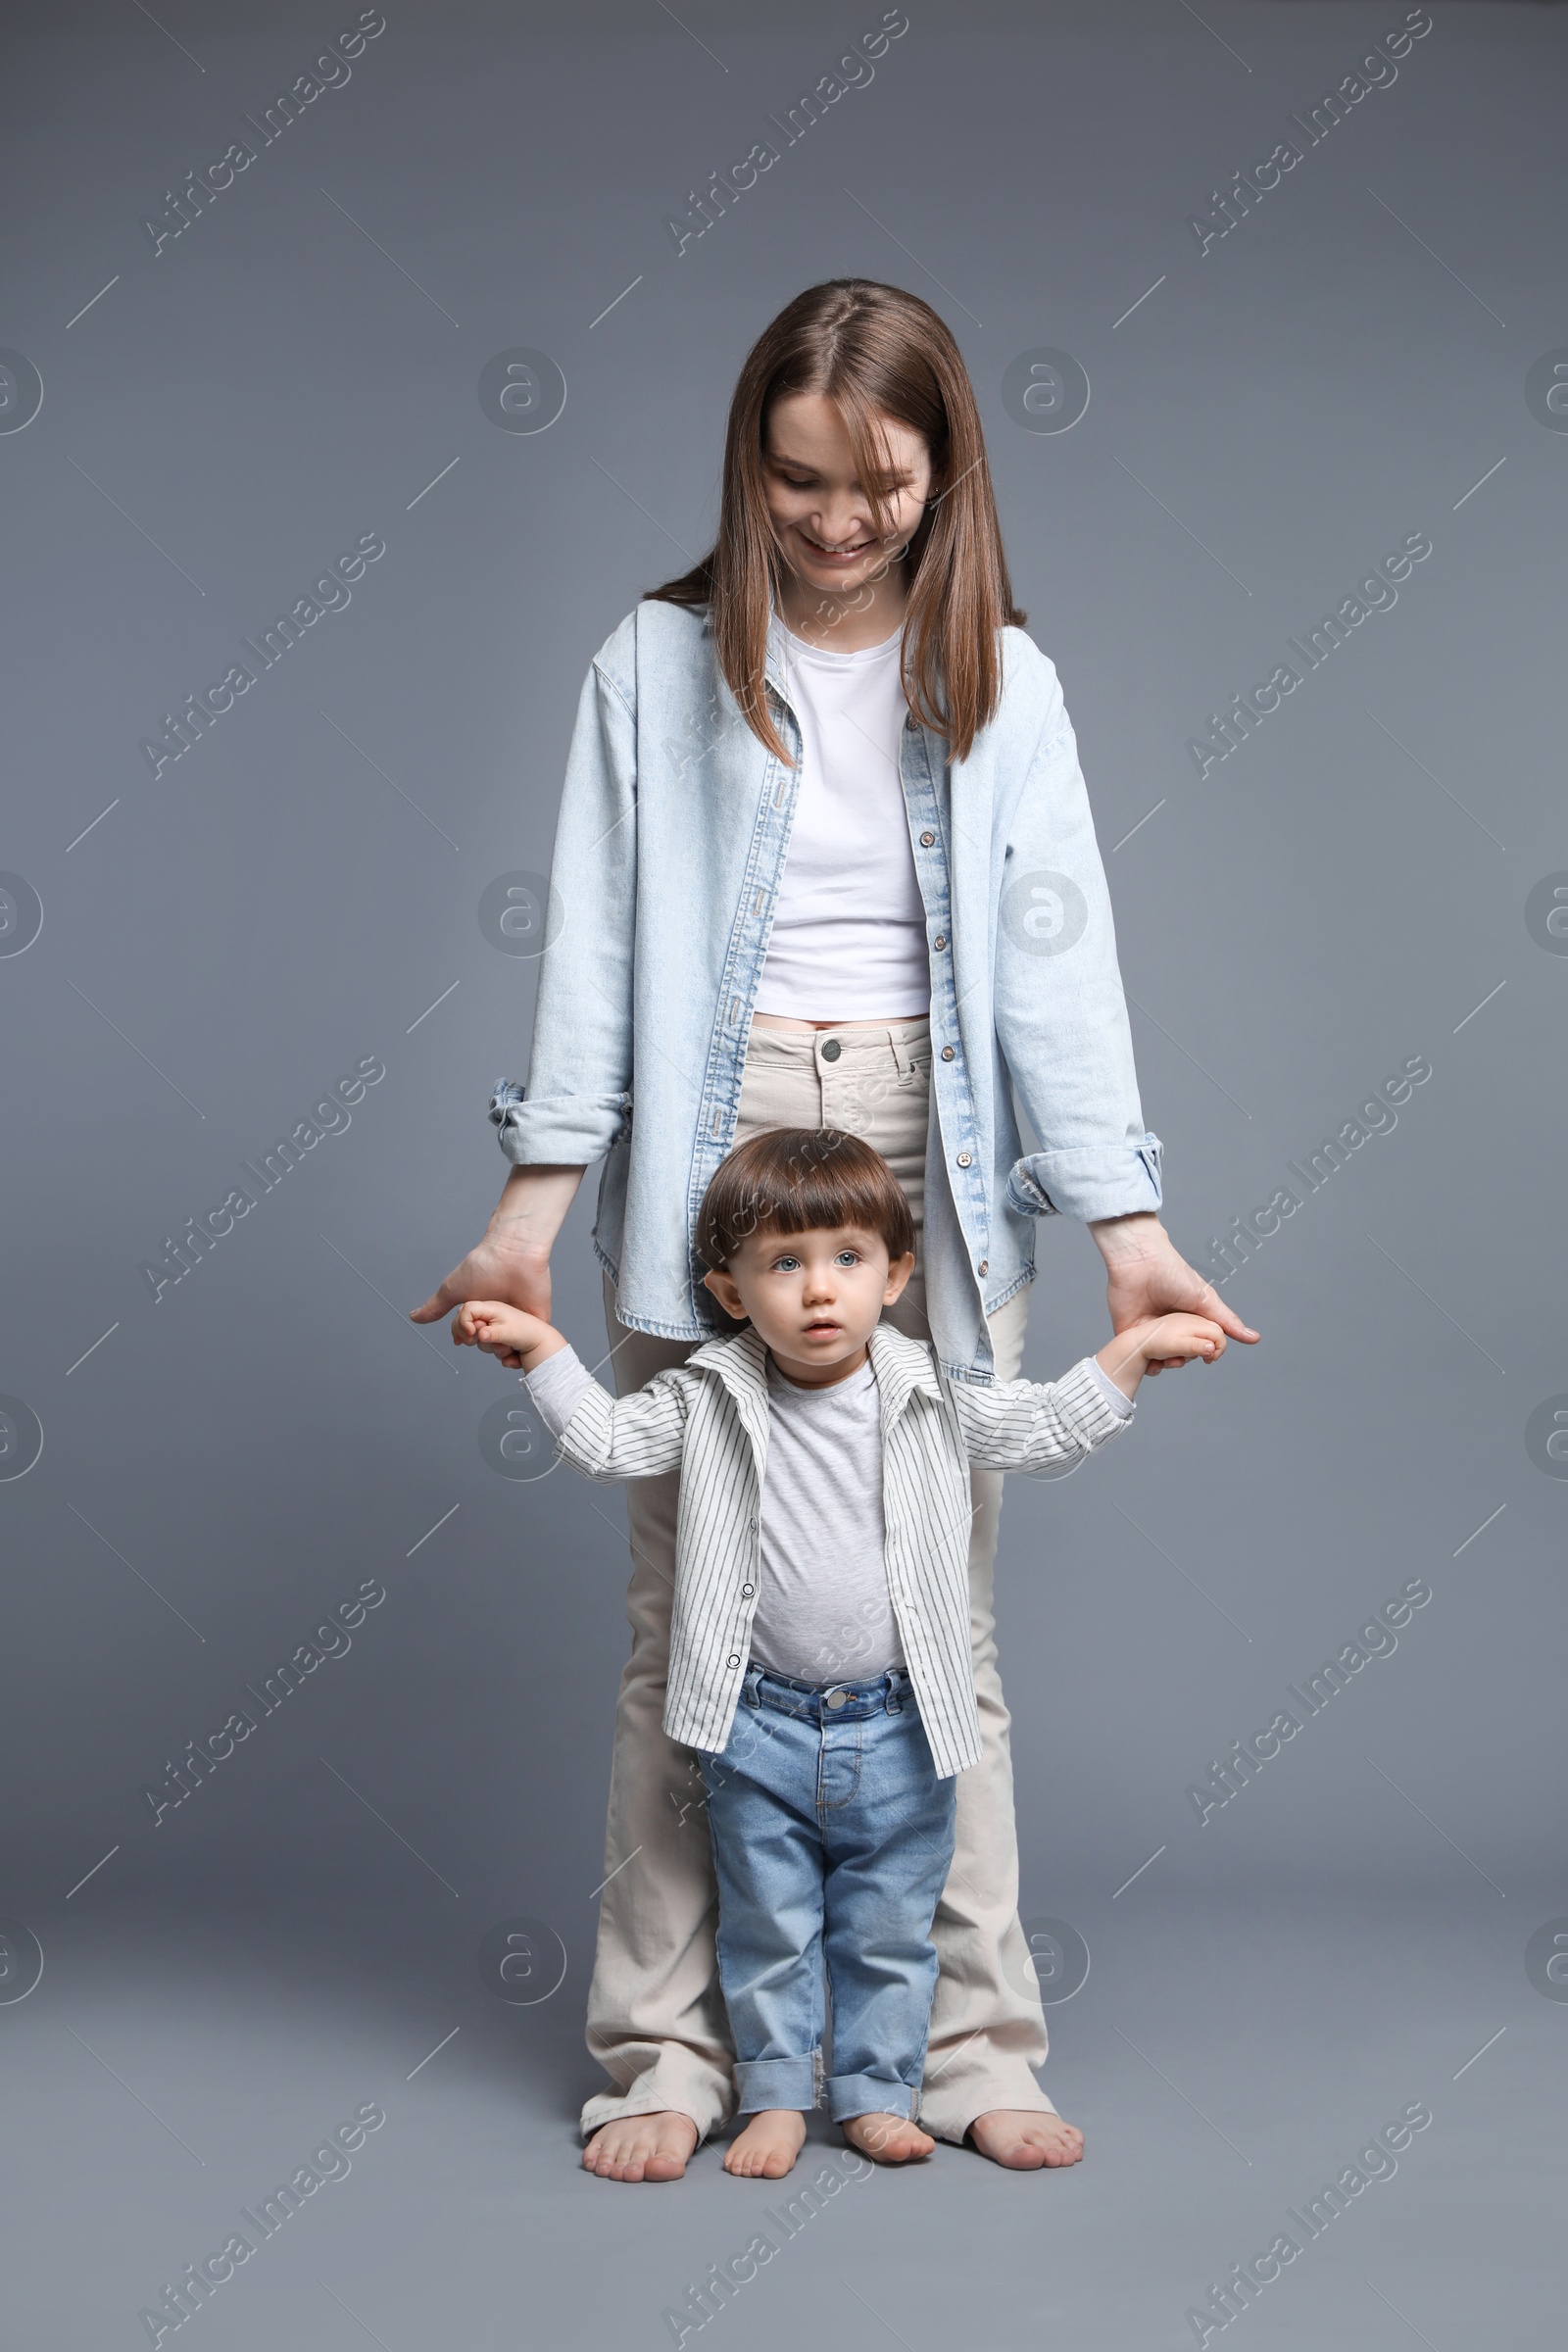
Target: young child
(820,1651)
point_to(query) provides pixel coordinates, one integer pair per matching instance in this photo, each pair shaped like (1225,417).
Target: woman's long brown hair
(873,351)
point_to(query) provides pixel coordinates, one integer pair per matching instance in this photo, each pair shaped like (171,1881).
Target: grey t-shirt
(823,1612)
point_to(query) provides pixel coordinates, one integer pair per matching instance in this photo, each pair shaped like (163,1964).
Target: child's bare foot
(889,2139)
(641,2148)
(768,2147)
(1023,2140)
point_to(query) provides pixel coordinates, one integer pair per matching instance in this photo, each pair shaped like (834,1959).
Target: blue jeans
(832,1836)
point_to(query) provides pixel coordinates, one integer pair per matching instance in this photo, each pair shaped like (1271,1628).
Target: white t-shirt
(849,937)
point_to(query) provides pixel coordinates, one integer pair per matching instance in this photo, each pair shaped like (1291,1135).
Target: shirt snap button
(734,1661)
(965,1159)
(747,1589)
(984,1268)
(832,1050)
(941,939)
(927,841)
(947,1053)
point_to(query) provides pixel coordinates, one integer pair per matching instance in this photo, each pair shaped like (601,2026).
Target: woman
(825,858)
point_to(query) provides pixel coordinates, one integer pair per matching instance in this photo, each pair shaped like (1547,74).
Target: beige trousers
(655,2016)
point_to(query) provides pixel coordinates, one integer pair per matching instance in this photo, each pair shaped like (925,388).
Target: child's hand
(516,1340)
(1159,1340)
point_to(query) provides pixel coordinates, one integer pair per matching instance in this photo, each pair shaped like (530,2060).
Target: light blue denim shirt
(674,832)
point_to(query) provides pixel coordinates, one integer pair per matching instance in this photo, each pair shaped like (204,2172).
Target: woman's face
(819,509)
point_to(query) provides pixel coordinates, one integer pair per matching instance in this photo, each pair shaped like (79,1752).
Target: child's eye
(848,1257)
(786,1265)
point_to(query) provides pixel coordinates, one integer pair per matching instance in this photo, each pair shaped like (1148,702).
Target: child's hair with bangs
(801,1180)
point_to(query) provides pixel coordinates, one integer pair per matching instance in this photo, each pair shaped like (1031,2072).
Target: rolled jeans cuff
(777,2082)
(849,2095)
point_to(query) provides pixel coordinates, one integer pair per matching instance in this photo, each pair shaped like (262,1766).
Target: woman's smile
(835,555)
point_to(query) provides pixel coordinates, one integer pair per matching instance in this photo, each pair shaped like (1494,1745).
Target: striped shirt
(709,1419)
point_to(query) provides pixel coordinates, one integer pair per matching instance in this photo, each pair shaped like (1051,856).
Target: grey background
(300,890)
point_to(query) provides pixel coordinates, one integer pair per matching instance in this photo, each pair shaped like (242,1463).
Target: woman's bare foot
(641,2148)
(768,2147)
(1023,2140)
(889,2139)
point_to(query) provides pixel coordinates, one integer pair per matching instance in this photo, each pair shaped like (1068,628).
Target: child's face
(815,1297)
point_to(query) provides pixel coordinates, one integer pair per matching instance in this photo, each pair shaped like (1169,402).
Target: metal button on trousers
(831,1050)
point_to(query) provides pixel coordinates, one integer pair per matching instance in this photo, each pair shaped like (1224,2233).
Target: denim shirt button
(947,1053)
(965,1159)
(940,941)
(832,1050)
(984,1268)
(928,841)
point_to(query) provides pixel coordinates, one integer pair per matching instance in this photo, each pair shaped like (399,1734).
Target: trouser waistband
(827,1702)
(906,1043)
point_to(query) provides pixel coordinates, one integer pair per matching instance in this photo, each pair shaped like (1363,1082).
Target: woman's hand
(512,1263)
(491,1271)
(1145,1275)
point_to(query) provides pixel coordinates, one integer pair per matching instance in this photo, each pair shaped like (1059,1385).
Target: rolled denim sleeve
(577,1098)
(1061,1018)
